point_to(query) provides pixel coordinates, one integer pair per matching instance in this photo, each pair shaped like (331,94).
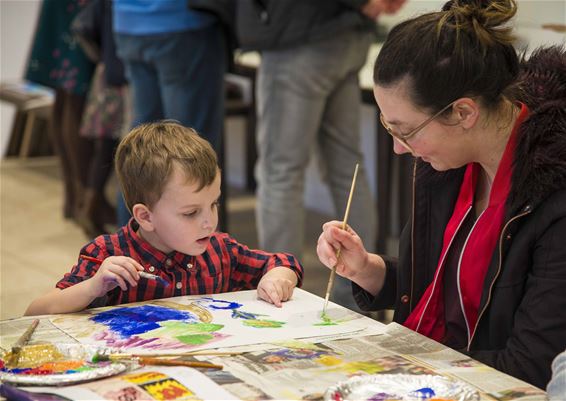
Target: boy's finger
(124,274)
(132,267)
(118,280)
(274,293)
(264,295)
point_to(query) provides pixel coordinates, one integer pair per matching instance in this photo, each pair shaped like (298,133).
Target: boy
(171,183)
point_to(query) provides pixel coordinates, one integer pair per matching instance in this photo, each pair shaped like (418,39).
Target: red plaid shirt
(225,266)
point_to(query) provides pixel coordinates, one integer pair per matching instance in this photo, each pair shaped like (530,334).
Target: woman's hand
(355,263)
(353,256)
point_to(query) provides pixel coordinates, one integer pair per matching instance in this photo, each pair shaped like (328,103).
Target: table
(280,366)
(394,173)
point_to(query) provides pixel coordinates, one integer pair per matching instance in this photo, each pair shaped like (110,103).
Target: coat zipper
(458,270)
(527,210)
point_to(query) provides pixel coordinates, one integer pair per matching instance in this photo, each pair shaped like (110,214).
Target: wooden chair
(33,104)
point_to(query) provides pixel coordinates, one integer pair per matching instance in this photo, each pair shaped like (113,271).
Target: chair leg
(25,147)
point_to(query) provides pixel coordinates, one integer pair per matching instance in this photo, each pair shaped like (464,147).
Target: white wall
(17,25)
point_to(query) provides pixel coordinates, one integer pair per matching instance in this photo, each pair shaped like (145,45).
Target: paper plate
(402,387)
(70,365)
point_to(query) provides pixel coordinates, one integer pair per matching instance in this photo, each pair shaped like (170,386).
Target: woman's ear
(467,112)
(142,214)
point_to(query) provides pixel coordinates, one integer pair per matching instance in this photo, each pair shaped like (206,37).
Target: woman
(482,261)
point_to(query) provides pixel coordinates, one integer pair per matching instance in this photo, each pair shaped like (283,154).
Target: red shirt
(225,266)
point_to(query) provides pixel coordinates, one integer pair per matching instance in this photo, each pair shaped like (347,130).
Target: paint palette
(401,387)
(56,365)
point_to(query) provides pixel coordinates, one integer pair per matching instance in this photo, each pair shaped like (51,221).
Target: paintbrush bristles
(344,225)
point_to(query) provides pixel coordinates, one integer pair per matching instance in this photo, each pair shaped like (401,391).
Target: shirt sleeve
(386,297)
(249,265)
(83,269)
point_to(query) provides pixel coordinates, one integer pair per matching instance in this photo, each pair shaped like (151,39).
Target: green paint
(188,333)
(263,324)
(195,339)
(326,321)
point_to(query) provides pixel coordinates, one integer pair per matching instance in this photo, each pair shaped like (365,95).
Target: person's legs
(76,150)
(144,91)
(56,131)
(96,210)
(291,94)
(191,66)
(340,147)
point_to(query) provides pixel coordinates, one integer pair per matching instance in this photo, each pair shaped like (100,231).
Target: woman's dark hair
(464,50)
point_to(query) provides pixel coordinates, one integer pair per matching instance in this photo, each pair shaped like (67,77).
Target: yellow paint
(32,356)
(203,314)
(329,360)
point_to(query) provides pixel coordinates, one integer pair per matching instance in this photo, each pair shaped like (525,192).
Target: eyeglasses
(403,138)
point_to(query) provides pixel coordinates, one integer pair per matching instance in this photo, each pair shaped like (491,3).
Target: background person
(308,99)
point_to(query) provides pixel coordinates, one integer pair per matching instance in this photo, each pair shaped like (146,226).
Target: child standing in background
(171,183)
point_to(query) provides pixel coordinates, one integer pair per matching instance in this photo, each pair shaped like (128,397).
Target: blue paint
(162,281)
(230,305)
(140,319)
(423,393)
(245,315)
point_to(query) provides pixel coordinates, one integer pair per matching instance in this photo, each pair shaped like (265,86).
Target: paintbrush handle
(176,362)
(26,336)
(344,225)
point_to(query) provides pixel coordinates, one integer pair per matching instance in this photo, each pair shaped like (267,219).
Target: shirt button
(169,262)
(179,285)
(151,269)
(405,299)
(189,265)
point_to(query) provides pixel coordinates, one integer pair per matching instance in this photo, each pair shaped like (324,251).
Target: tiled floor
(37,245)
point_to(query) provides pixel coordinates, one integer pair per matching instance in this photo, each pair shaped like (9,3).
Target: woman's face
(437,142)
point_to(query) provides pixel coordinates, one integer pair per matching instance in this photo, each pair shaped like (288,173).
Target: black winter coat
(522,316)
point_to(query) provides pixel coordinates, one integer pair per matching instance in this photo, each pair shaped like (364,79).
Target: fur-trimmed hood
(540,157)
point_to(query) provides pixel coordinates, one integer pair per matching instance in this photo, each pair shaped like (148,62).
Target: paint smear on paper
(140,319)
(220,304)
(252,320)
(187,333)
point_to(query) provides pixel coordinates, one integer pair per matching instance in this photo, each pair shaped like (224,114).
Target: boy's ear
(142,214)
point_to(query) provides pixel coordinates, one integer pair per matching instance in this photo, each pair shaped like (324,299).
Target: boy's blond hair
(146,157)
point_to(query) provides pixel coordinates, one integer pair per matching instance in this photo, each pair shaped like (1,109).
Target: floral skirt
(106,113)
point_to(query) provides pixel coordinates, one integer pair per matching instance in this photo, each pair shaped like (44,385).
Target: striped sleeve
(249,265)
(83,269)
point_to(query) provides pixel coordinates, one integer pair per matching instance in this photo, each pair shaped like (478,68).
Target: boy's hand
(115,271)
(276,286)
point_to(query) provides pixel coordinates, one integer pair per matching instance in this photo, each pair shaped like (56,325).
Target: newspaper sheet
(305,369)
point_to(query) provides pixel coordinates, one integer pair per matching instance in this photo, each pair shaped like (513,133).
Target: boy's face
(183,218)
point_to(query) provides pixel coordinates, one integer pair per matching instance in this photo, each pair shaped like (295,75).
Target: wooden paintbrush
(22,341)
(177,362)
(344,225)
(107,356)
(162,360)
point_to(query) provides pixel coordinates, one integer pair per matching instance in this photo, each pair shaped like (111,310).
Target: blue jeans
(177,76)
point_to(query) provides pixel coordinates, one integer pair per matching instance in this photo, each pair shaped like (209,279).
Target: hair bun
(487,19)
